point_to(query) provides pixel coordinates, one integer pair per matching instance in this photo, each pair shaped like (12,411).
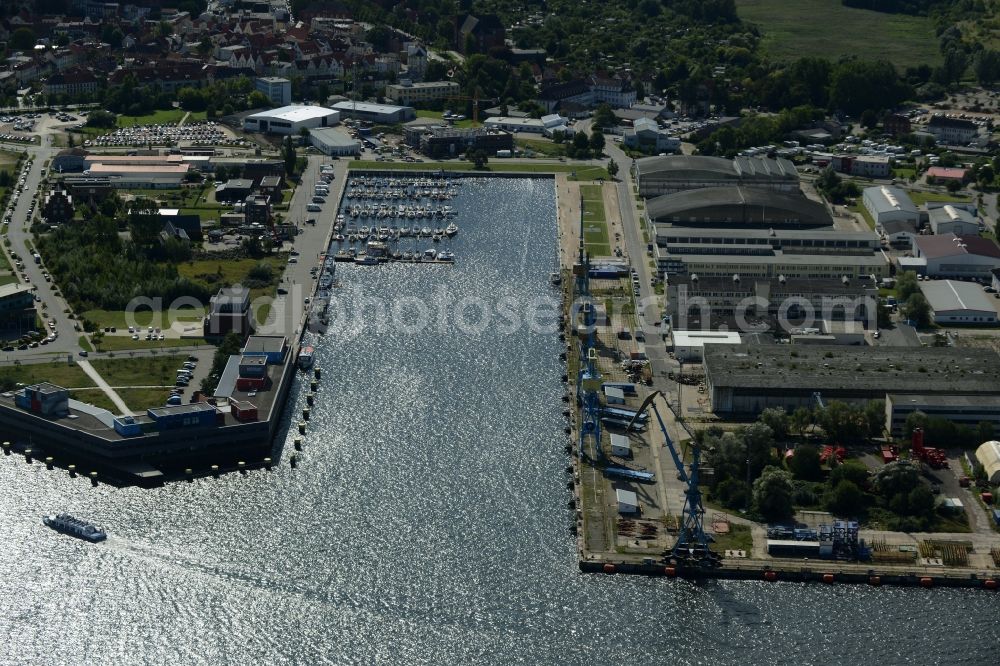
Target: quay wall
(825,572)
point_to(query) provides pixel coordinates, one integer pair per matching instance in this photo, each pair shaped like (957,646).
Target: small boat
(446,255)
(306,357)
(80,529)
(555,278)
(430,253)
(451,229)
(365,260)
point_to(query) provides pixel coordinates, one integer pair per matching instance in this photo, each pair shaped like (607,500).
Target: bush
(733,494)
(845,500)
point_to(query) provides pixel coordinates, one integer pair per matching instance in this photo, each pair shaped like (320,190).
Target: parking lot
(18,128)
(205,133)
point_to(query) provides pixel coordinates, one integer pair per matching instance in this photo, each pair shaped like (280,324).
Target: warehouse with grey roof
(739,207)
(749,379)
(666,174)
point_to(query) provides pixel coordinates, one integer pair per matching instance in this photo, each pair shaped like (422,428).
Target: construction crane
(692,546)
(475,103)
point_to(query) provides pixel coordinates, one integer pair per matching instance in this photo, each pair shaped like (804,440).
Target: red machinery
(933,457)
(829,452)
(889,454)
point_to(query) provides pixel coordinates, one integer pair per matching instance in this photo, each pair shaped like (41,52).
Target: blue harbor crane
(692,546)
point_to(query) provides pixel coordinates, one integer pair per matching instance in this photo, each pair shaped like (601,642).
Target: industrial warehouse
(805,253)
(738,207)
(290,120)
(749,379)
(667,174)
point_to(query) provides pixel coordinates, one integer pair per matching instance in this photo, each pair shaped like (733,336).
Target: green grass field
(828,29)
(163,116)
(59,373)
(140,399)
(595,226)
(144,371)
(542,148)
(232,271)
(920,198)
(144,318)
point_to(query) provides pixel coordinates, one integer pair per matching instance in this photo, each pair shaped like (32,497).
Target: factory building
(886,203)
(749,379)
(546,125)
(969,410)
(334,142)
(689,345)
(380,114)
(646,135)
(706,302)
(768,253)
(667,174)
(954,302)
(290,120)
(738,207)
(952,220)
(948,255)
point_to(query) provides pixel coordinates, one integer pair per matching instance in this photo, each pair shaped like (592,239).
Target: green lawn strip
(84,343)
(919,198)
(859,208)
(793,29)
(144,318)
(593,211)
(59,373)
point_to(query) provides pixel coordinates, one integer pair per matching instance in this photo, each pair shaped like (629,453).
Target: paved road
(17,232)
(288,310)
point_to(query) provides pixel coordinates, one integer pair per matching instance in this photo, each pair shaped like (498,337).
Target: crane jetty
(617,432)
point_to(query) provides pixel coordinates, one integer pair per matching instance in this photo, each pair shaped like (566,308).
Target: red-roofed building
(947,173)
(948,255)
